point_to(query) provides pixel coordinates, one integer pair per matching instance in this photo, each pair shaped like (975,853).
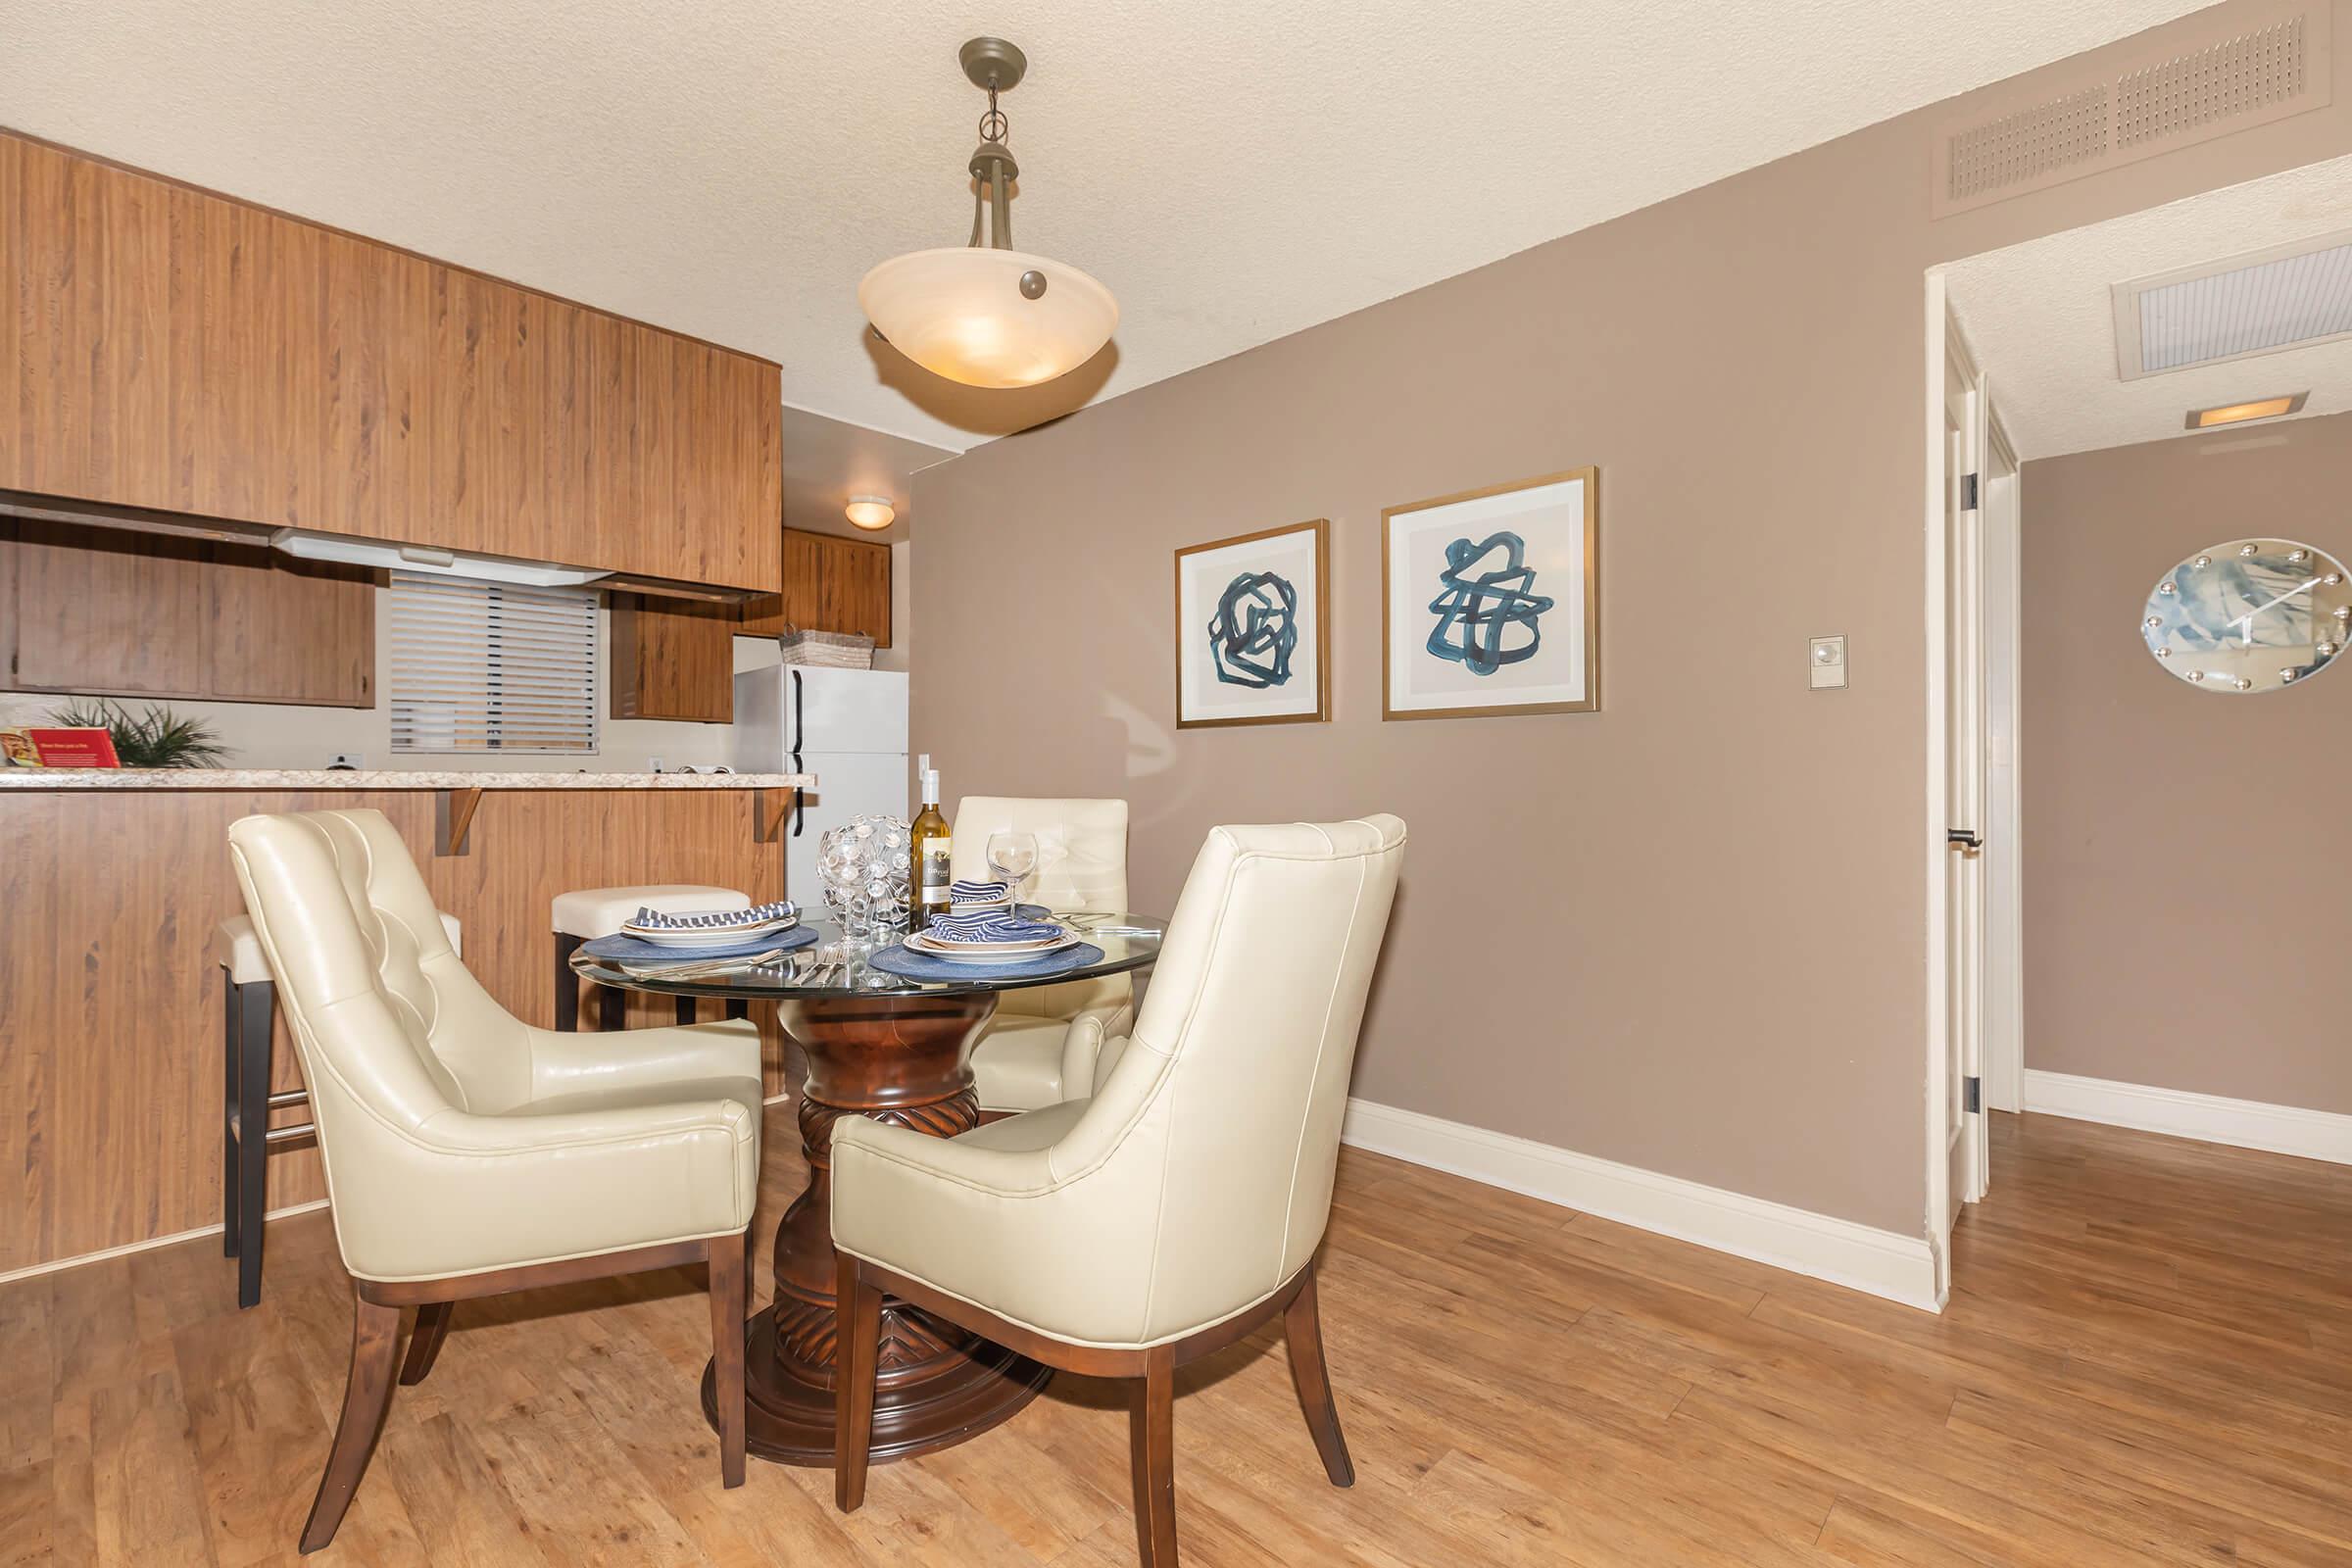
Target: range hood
(304,545)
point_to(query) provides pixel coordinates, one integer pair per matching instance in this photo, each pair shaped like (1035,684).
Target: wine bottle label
(936,880)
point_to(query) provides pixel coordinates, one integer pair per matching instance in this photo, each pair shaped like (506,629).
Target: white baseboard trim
(1900,1268)
(148,1245)
(2208,1118)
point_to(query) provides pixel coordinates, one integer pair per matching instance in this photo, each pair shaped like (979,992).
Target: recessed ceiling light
(2239,412)
(869,512)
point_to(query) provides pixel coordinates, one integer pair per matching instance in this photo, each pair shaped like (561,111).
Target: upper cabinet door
(101,610)
(184,351)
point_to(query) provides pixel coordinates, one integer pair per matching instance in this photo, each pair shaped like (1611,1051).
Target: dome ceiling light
(988,315)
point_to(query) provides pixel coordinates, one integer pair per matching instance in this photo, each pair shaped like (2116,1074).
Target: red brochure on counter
(74,748)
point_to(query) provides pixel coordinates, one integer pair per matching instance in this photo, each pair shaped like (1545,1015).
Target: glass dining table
(898,1050)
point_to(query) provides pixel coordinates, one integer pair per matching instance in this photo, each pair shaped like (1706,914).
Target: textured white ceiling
(1235,169)
(2041,322)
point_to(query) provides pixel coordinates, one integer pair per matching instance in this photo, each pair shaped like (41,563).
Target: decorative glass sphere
(863,864)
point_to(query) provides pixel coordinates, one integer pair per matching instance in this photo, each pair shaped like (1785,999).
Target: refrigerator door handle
(800,798)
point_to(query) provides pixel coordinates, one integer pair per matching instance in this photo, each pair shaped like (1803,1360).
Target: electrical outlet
(653,764)
(349,760)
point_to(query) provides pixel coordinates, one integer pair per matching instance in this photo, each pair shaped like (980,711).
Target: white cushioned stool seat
(239,952)
(600,911)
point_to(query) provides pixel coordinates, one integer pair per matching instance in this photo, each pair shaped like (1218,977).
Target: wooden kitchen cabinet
(673,659)
(184,351)
(119,614)
(288,632)
(830,584)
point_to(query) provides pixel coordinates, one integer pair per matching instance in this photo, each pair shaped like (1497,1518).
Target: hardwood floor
(2148,1359)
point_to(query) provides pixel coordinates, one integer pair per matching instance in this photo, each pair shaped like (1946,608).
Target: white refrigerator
(848,727)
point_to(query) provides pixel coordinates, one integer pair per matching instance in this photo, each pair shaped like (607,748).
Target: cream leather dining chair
(1045,1044)
(1166,1216)
(469,1154)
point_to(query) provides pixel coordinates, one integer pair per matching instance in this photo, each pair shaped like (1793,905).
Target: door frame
(1938,1040)
(2002,522)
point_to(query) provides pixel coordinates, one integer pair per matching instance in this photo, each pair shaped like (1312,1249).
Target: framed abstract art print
(1490,601)
(1252,643)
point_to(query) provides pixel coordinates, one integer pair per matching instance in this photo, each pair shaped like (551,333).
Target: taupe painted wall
(2182,849)
(1686,932)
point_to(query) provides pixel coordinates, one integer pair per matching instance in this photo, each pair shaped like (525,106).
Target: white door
(1966,1150)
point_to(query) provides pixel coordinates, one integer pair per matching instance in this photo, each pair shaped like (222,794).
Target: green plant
(157,738)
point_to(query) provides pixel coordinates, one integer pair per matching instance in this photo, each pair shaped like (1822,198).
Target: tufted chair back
(344,886)
(1081,864)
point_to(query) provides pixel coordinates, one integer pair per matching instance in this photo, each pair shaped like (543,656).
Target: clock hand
(2246,623)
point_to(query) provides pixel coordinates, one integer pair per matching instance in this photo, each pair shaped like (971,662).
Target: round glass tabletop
(838,965)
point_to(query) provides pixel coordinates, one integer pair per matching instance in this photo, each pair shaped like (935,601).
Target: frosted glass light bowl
(863,865)
(958,312)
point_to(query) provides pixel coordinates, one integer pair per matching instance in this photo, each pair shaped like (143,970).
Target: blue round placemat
(908,964)
(633,949)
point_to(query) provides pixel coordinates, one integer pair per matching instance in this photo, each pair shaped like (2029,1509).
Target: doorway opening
(2139,437)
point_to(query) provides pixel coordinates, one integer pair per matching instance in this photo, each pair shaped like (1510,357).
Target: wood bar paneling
(111,1004)
(171,348)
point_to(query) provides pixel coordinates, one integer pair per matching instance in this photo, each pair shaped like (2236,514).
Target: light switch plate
(1825,662)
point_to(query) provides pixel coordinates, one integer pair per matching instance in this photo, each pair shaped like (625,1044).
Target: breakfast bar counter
(114,882)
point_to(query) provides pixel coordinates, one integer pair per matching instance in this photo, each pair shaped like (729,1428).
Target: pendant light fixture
(988,315)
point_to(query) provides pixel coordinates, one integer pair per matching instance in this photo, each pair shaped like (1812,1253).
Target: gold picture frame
(1589,478)
(1317,638)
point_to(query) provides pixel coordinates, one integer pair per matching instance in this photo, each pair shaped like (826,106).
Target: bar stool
(586,914)
(249,1001)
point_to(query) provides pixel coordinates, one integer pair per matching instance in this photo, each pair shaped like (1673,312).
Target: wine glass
(1013,856)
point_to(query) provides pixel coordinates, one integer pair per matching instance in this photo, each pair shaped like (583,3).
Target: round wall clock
(2250,616)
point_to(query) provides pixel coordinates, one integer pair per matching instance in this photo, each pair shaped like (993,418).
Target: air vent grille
(2229,80)
(2292,296)
(2030,143)
(2258,64)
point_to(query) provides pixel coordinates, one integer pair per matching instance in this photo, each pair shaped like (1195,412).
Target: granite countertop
(234,778)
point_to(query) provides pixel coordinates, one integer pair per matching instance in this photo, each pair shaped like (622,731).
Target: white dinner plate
(990,952)
(709,936)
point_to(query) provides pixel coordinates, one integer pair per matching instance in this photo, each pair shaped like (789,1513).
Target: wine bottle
(933,846)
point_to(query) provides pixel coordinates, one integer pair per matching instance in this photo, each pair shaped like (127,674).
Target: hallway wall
(2184,852)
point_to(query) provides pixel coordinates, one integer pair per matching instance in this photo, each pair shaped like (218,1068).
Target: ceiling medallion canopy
(988,315)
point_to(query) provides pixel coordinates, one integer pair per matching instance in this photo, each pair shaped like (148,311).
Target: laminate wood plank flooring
(2147,1358)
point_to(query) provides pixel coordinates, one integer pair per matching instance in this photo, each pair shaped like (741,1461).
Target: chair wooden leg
(424,1341)
(374,1344)
(686,1010)
(1151,1432)
(1302,1334)
(857,1346)
(738,1007)
(728,1308)
(611,1009)
(254,1010)
(229,1115)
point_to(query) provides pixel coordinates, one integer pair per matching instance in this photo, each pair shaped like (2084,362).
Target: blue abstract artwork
(1254,631)
(1488,613)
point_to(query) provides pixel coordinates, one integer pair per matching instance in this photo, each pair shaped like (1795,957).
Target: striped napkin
(652,919)
(984,892)
(983,926)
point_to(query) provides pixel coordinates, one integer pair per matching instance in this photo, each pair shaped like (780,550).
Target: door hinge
(1972,1092)
(1968,492)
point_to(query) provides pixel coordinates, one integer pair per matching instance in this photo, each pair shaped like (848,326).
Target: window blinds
(482,666)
